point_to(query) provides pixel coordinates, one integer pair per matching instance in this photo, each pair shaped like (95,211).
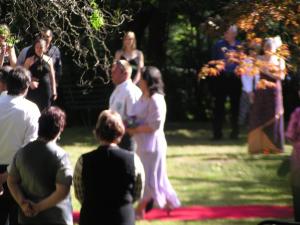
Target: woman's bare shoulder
(47,59)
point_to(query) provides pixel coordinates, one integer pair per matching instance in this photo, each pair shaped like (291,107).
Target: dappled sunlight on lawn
(207,173)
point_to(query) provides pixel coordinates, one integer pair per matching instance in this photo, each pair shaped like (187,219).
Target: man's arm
(22,56)
(139,179)
(13,185)
(57,65)
(77,179)
(63,185)
(32,125)
(13,182)
(60,193)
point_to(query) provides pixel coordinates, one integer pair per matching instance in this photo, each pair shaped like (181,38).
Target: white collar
(124,84)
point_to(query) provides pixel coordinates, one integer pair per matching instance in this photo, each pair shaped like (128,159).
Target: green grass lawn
(204,172)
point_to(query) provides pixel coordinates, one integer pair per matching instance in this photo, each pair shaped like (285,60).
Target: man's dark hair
(51,122)
(18,81)
(30,52)
(45,29)
(4,73)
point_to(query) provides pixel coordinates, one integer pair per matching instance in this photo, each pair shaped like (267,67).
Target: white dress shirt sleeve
(31,132)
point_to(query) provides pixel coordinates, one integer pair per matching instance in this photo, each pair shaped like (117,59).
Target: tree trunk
(158,35)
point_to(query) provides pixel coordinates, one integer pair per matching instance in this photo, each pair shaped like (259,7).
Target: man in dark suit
(227,84)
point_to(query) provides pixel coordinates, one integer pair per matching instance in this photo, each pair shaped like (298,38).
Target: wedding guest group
(18,126)
(50,49)
(40,175)
(126,175)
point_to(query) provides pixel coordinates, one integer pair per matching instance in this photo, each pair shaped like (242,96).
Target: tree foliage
(175,35)
(264,19)
(80,27)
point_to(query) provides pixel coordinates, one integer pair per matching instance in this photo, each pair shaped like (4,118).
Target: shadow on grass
(77,135)
(230,192)
(181,134)
(213,156)
(177,134)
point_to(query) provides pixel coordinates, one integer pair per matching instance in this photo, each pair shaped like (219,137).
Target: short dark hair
(51,122)
(109,126)
(45,29)
(153,79)
(4,73)
(18,80)
(38,40)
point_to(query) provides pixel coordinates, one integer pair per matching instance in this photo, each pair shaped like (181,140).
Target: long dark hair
(153,79)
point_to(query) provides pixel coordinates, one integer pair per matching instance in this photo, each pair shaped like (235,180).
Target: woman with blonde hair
(7,50)
(130,53)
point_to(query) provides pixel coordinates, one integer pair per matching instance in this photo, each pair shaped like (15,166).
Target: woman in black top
(43,85)
(109,179)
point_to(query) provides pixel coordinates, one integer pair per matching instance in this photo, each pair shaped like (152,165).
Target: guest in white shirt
(124,96)
(18,126)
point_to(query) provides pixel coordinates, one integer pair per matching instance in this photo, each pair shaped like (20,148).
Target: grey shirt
(39,166)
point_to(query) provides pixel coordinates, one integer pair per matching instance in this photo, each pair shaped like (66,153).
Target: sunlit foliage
(80,27)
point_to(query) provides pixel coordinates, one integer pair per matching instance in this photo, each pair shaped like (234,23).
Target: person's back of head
(109,127)
(4,73)
(153,78)
(51,123)
(18,81)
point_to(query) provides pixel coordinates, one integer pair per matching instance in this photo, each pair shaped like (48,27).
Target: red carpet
(218,212)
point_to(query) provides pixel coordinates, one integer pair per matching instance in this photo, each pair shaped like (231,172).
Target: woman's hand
(34,84)
(36,208)
(53,97)
(3,48)
(27,208)
(1,190)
